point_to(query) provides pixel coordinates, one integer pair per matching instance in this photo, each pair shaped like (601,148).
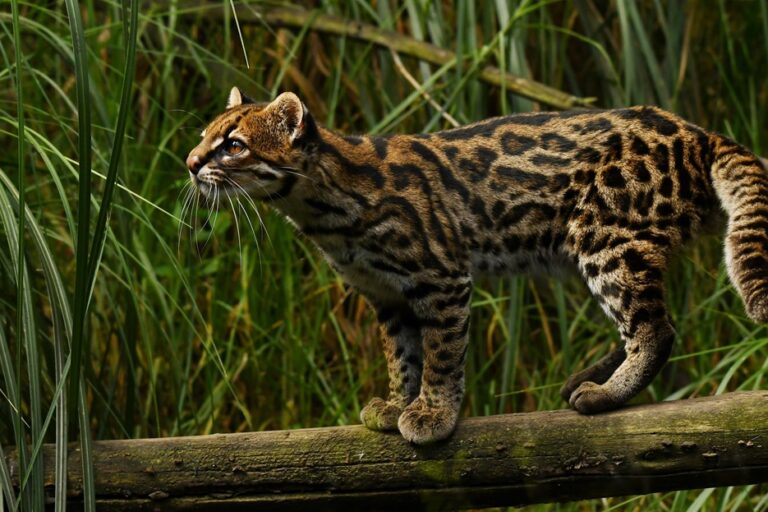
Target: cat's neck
(337,182)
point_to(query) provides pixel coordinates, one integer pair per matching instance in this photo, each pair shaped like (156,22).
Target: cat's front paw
(590,398)
(381,414)
(424,424)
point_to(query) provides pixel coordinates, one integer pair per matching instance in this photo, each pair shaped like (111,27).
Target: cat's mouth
(216,184)
(210,181)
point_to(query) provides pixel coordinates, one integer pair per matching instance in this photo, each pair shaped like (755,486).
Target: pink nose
(193,163)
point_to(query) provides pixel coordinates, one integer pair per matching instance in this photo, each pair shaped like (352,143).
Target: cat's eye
(233,147)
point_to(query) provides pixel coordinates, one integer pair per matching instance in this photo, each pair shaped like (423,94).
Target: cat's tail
(740,180)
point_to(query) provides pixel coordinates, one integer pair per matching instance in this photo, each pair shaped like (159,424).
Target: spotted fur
(409,219)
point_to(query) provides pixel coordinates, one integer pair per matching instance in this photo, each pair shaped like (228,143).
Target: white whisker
(190,191)
(213,213)
(254,207)
(237,228)
(248,218)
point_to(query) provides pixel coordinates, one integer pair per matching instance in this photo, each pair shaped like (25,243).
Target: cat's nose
(193,163)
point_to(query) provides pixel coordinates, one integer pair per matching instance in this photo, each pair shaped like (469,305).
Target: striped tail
(740,180)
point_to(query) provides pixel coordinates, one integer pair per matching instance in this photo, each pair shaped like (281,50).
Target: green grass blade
(79,344)
(11,372)
(86,451)
(6,369)
(117,145)
(80,339)
(62,331)
(62,327)
(25,330)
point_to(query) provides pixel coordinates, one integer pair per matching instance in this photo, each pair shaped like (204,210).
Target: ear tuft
(290,112)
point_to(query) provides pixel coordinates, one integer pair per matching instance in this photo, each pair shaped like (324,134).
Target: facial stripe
(263,171)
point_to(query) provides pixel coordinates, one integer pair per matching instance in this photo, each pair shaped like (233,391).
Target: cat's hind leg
(628,283)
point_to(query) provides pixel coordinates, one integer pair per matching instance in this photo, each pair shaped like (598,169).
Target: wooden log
(511,459)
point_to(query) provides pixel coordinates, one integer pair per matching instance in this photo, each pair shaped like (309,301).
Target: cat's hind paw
(380,414)
(590,398)
(424,424)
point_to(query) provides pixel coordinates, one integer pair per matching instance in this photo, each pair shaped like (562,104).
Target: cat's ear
(291,114)
(237,98)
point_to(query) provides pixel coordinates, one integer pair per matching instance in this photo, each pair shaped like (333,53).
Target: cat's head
(252,148)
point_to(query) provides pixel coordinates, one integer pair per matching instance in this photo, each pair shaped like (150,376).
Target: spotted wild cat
(409,219)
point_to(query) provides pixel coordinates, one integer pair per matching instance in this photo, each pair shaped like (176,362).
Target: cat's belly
(526,262)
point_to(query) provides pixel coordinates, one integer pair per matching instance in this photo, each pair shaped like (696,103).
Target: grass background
(172,322)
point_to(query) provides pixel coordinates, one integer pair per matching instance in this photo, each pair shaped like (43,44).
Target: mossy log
(511,459)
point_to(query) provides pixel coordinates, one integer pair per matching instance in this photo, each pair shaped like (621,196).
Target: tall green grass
(120,317)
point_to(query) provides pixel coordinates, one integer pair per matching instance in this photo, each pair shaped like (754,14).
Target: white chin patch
(203,188)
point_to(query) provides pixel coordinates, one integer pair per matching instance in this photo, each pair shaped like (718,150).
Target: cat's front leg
(402,347)
(443,315)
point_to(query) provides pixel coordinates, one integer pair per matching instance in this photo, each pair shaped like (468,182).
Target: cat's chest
(364,267)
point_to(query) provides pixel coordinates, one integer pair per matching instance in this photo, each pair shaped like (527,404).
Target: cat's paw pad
(380,414)
(423,424)
(590,398)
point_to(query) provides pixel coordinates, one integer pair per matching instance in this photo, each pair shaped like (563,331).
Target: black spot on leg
(635,261)
(641,316)
(443,370)
(665,209)
(591,270)
(584,177)
(665,188)
(651,294)
(613,178)
(641,172)
(610,265)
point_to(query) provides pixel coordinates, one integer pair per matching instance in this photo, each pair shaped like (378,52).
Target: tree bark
(504,460)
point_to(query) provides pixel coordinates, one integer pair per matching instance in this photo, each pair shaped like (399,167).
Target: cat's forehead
(232,118)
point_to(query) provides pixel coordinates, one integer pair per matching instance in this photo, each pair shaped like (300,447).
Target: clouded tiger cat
(409,219)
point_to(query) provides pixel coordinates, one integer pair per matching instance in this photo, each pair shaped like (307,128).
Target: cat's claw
(380,414)
(423,424)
